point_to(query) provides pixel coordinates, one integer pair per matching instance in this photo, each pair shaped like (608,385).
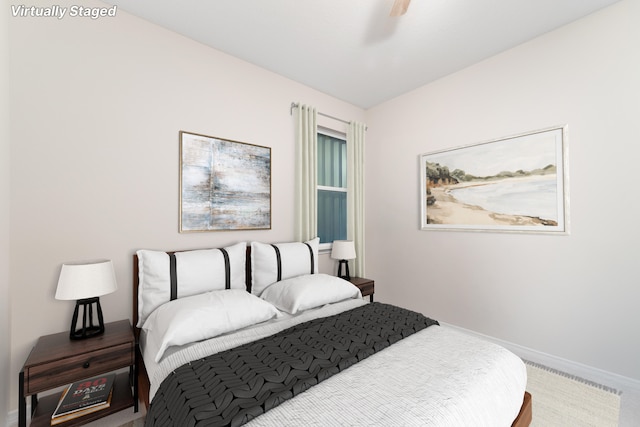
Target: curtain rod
(296,105)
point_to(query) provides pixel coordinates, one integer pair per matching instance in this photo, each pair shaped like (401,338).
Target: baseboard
(609,379)
(12,418)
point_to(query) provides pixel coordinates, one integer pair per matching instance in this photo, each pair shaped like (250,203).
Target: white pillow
(204,316)
(309,291)
(295,259)
(196,272)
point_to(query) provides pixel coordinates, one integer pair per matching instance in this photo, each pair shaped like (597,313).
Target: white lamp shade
(343,249)
(86,279)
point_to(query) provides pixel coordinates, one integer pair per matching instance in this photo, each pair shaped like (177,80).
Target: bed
(378,372)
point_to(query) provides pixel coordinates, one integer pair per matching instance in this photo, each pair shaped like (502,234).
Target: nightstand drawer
(61,372)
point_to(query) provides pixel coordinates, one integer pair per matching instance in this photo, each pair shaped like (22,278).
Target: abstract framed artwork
(224,184)
(513,184)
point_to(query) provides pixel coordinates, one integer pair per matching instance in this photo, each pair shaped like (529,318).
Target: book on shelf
(84,397)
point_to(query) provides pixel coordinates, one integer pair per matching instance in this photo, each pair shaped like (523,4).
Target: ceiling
(352,49)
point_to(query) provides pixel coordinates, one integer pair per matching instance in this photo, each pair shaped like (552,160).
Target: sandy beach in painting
(448,210)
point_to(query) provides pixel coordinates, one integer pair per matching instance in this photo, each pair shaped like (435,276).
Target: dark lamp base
(87,330)
(346,263)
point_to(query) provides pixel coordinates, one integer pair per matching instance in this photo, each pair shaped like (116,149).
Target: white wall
(97,106)
(5,378)
(574,297)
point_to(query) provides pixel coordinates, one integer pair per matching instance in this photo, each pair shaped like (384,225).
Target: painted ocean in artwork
(535,197)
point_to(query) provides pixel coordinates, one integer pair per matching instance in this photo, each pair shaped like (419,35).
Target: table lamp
(85,282)
(343,250)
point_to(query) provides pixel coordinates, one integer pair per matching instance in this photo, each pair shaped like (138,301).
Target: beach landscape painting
(224,184)
(513,184)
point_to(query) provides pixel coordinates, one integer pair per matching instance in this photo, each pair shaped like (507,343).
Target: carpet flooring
(563,400)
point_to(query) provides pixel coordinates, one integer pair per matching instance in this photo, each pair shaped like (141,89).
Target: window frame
(326,247)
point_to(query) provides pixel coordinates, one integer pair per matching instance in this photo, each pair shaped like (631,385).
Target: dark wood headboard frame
(136,284)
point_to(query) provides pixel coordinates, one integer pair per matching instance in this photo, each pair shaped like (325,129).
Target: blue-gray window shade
(332,161)
(332,216)
(332,197)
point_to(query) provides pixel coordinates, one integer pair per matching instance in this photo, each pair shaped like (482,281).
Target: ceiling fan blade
(399,7)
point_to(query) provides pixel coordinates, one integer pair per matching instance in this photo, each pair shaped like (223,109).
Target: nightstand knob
(86,364)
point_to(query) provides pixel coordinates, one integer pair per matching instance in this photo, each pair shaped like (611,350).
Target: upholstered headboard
(136,283)
(203,270)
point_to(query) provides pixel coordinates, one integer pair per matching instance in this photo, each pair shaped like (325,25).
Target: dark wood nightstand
(365,285)
(57,361)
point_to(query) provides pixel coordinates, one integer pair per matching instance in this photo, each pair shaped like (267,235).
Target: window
(332,188)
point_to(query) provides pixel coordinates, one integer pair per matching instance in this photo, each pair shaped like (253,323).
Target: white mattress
(436,377)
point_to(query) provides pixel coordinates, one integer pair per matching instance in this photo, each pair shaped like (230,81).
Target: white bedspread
(436,377)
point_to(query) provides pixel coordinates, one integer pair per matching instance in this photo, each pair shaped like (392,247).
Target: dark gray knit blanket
(233,387)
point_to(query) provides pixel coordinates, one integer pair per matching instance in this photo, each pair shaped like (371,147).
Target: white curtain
(355,194)
(306,177)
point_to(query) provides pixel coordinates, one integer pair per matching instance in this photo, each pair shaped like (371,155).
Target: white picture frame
(512,184)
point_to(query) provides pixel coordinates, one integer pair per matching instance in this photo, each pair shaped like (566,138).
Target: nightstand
(57,361)
(365,286)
